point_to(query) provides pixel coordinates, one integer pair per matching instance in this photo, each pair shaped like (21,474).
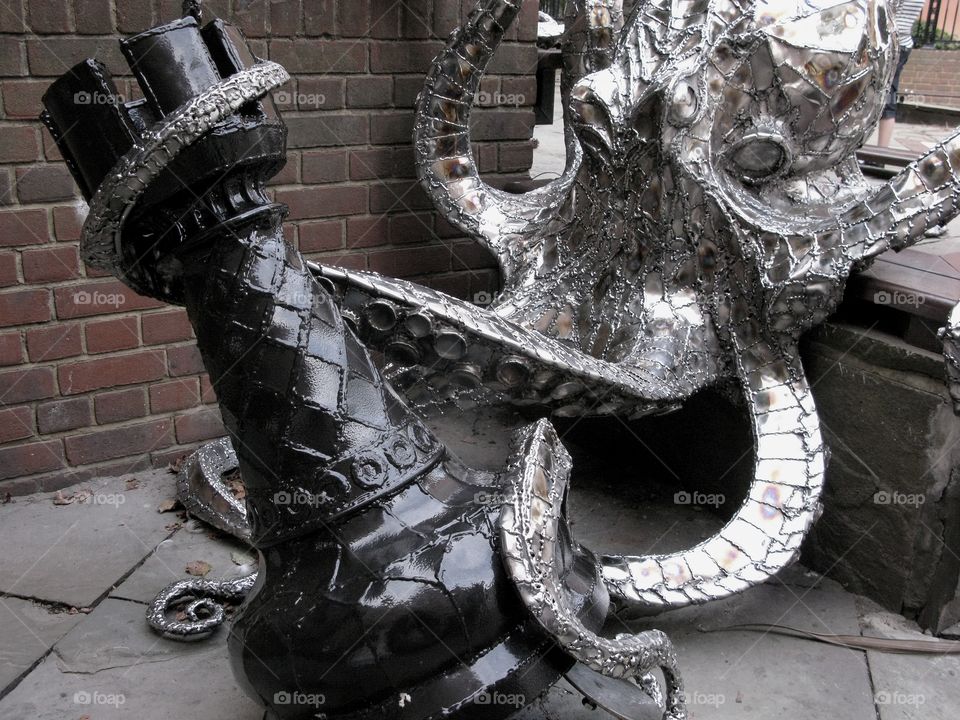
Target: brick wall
(95,380)
(932,77)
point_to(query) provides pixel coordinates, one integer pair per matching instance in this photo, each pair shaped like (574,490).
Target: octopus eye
(759,156)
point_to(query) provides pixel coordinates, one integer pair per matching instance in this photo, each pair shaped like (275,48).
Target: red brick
(302,55)
(406,89)
(11,56)
(406,57)
(321,236)
(8,269)
(94,17)
(385,19)
(184,360)
(319,17)
(200,425)
(23,227)
(51,264)
(20,307)
(368,231)
(112,335)
(353,18)
(113,371)
(208,393)
(391,128)
(285,17)
(53,342)
(332,90)
(49,17)
(416,19)
(67,223)
(99,298)
(21,98)
(324,201)
(11,20)
(370,164)
(119,442)
(11,352)
(16,424)
(370,91)
(324,166)
(398,195)
(134,16)
(63,415)
(411,227)
(406,262)
(31,459)
(120,405)
(328,130)
(166,327)
(176,395)
(20,386)
(44,183)
(18,143)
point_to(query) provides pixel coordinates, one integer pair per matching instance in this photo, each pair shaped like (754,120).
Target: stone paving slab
(116,635)
(27,631)
(910,687)
(193,542)
(73,554)
(185,687)
(740,675)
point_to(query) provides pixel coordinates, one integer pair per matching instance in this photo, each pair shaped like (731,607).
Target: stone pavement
(75,580)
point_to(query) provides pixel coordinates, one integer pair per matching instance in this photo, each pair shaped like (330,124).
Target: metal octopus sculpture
(710,212)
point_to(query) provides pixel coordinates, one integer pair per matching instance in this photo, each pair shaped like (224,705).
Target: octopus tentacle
(593,30)
(204,613)
(501,221)
(765,535)
(531,525)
